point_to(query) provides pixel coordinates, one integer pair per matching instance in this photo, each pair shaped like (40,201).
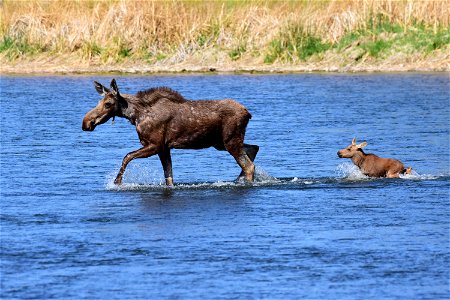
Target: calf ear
(362,145)
(354,141)
(114,87)
(100,88)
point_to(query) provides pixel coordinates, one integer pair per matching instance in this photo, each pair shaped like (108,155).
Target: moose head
(351,150)
(106,108)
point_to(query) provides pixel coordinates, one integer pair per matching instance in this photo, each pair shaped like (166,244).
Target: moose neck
(358,158)
(126,109)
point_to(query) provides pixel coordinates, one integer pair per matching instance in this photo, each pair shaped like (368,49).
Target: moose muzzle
(89,122)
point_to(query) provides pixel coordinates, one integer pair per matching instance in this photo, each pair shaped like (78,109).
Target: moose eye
(107,105)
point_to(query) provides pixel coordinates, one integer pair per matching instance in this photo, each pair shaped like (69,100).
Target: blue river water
(310,227)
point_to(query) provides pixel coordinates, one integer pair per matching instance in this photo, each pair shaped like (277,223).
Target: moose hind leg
(239,154)
(251,151)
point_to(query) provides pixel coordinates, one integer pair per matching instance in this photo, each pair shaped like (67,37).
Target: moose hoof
(169,181)
(118,181)
(244,180)
(240,179)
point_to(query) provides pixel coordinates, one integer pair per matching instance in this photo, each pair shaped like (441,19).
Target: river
(311,226)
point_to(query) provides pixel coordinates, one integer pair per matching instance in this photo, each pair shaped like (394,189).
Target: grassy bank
(147,35)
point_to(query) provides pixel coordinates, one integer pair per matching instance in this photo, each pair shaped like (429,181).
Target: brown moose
(165,120)
(372,165)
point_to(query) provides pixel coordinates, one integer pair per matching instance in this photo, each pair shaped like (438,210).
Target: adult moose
(372,165)
(165,120)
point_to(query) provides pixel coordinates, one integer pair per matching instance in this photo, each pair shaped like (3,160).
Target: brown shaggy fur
(164,120)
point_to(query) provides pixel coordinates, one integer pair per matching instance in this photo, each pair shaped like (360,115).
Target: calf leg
(166,162)
(392,174)
(141,153)
(251,151)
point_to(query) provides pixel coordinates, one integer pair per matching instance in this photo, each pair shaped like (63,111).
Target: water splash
(349,171)
(137,175)
(143,178)
(262,176)
(416,176)
(139,178)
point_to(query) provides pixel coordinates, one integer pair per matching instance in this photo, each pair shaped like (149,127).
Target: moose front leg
(166,162)
(141,153)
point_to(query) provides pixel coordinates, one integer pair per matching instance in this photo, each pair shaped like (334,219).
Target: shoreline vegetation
(87,36)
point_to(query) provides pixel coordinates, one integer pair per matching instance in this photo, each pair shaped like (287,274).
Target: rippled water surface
(311,226)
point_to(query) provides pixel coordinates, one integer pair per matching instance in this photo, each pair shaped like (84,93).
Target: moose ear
(362,145)
(100,88)
(114,87)
(354,141)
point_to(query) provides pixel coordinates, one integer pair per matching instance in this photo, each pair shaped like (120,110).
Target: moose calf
(372,165)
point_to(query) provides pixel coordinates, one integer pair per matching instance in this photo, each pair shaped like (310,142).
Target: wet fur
(371,164)
(165,120)
(375,166)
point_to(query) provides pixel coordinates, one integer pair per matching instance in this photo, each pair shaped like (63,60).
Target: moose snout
(88,124)
(339,154)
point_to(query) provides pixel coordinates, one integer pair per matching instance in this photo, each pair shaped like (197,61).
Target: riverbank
(249,36)
(439,62)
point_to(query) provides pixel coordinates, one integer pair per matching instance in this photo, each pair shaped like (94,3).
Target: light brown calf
(372,165)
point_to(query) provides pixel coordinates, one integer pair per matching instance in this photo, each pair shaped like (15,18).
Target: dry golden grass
(111,30)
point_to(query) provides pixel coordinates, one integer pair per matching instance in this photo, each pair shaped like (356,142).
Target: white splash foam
(416,176)
(142,178)
(350,171)
(262,176)
(137,175)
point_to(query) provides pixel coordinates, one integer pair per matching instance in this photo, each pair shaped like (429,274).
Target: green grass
(116,51)
(380,23)
(90,49)
(294,42)
(381,39)
(237,52)
(377,39)
(16,48)
(425,39)
(376,48)
(152,57)
(208,36)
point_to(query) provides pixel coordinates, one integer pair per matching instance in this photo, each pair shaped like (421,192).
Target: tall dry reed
(112,29)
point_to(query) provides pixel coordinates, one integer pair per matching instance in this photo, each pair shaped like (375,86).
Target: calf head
(105,109)
(351,150)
